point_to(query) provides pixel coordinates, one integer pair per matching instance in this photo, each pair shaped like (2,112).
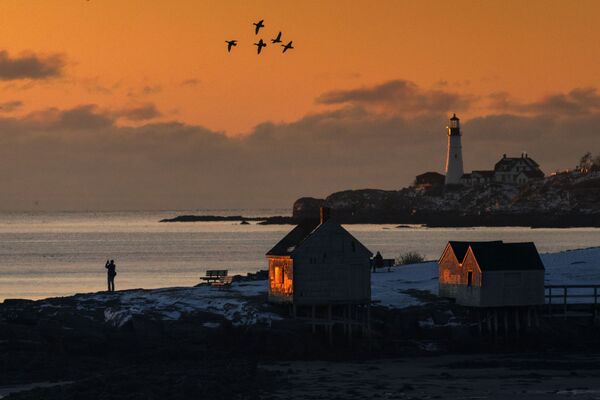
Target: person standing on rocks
(111,272)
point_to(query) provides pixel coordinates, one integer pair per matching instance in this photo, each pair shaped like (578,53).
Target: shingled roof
(288,244)
(499,256)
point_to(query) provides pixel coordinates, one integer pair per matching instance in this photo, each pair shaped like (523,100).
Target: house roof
(431,174)
(499,256)
(506,163)
(460,248)
(487,174)
(533,174)
(288,244)
(303,231)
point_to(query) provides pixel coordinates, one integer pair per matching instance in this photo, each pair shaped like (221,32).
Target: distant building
(517,170)
(319,263)
(454,161)
(492,274)
(477,178)
(429,179)
(511,170)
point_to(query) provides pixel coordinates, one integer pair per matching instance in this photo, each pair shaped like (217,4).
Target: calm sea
(57,254)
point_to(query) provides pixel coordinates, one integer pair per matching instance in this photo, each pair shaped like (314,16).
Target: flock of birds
(260,44)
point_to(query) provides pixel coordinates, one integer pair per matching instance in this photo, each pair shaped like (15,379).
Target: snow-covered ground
(243,302)
(238,303)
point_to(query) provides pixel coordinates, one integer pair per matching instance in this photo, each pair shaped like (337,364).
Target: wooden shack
(319,263)
(492,274)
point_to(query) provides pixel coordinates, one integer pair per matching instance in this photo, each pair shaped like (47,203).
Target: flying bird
(260,45)
(277,39)
(258,25)
(286,47)
(230,44)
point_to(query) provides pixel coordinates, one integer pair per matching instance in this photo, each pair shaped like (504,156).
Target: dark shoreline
(533,221)
(69,340)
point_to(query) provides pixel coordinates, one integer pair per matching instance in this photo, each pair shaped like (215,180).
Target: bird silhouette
(260,45)
(230,44)
(277,39)
(258,25)
(286,47)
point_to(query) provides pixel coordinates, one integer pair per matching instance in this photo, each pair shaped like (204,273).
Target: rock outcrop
(559,201)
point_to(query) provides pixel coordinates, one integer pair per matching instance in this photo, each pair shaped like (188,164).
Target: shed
(429,179)
(319,263)
(492,274)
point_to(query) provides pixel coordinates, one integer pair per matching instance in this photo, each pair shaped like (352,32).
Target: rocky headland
(559,201)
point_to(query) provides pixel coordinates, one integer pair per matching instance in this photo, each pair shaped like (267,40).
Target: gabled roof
(499,256)
(288,244)
(305,230)
(506,163)
(533,174)
(459,249)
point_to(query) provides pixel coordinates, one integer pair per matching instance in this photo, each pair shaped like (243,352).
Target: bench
(214,275)
(224,282)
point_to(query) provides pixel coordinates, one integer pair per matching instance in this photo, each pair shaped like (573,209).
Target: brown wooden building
(492,274)
(319,263)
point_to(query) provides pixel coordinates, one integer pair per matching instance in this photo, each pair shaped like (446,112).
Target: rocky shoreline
(181,343)
(562,201)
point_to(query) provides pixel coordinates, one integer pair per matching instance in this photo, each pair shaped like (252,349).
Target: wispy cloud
(10,106)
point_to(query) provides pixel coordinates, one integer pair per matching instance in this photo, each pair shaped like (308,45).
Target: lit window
(278,275)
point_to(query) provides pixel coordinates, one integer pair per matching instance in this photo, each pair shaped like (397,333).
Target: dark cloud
(400,96)
(575,102)
(10,106)
(81,158)
(139,113)
(30,66)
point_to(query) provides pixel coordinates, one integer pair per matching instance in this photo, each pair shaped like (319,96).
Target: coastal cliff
(565,200)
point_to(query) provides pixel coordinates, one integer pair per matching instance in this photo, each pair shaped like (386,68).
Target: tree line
(589,163)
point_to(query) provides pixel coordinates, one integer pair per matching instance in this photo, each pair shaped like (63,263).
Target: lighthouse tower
(454,162)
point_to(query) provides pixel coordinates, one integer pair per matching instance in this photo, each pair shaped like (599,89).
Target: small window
(353,246)
(324,256)
(470,279)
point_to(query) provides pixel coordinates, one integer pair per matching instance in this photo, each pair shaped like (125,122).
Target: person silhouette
(111,272)
(377,261)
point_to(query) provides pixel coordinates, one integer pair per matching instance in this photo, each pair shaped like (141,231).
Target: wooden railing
(561,292)
(563,296)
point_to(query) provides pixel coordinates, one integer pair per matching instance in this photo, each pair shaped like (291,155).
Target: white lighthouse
(454,162)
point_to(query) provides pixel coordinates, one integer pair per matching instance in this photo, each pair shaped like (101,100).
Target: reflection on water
(57,254)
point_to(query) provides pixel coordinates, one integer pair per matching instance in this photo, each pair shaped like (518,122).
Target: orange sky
(127,53)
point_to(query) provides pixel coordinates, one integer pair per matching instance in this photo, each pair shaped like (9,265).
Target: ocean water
(58,254)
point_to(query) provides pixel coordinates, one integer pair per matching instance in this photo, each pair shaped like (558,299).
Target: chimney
(324,213)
